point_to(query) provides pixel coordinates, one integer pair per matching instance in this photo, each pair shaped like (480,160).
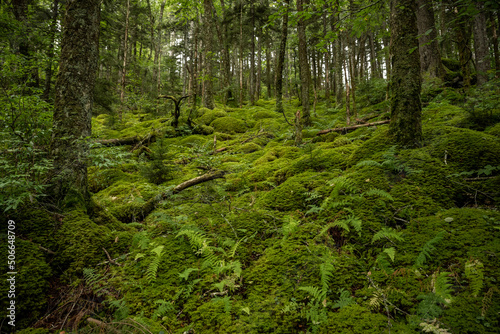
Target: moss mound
(229,125)
(210,115)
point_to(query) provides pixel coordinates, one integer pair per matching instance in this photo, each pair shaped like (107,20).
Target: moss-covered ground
(346,233)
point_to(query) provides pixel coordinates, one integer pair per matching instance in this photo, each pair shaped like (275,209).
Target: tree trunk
(496,51)
(125,52)
(481,51)
(241,55)
(305,73)
(259,64)
(406,81)
(208,94)
(78,65)
(157,59)
(281,59)
(430,58)
(50,53)
(268,70)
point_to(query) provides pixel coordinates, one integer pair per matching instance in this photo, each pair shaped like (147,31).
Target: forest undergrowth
(345,233)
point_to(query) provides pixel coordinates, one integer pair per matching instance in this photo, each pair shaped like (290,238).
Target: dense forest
(250,166)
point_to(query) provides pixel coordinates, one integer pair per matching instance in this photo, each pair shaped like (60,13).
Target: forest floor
(345,233)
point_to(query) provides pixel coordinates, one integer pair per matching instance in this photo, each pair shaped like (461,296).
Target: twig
(110,259)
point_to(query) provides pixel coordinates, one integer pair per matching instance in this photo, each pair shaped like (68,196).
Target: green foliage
(474,273)
(160,168)
(154,264)
(428,248)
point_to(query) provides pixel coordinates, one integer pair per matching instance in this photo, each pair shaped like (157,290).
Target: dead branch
(197,180)
(350,128)
(110,259)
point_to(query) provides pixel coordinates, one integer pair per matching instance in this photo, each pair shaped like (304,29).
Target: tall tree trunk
(496,52)
(305,72)
(430,58)
(339,86)
(50,53)
(252,56)
(78,65)
(125,52)
(259,65)
(208,94)
(463,40)
(373,58)
(241,55)
(406,81)
(194,71)
(281,59)
(157,59)
(481,51)
(268,70)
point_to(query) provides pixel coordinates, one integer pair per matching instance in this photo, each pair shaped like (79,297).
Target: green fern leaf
(186,273)
(474,273)
(380,193)
(315,292)
(428,248)
(391,252)
(344,300)
(388,233)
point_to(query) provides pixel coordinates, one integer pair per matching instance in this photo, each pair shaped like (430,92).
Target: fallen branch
(197,180)
(110,259)
(349,128)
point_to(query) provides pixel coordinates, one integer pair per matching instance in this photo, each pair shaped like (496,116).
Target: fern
(383,263)
(433,327)
(428,248)
(474,273)
(387,233)
(141,240)
(92,279)
(391,252)
(342,183)
(316,293)
(442,286)
(122,310)
(163,308)
(344,300)
(380,193)
(186,273)
(155,263)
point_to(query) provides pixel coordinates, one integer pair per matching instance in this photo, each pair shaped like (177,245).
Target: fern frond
(380,193)
(186,273)
(370,163)
(387,233)
(384,264)
(91,277)
(344,300)
(487,300)
(433,327)
(391,252)
(232,252)
(355,222)
(442,286)
(163,308)
(340,204)
(474,273)
(326,272)
(153,269)
(376,300)
(342,183)
(141,240)
(428,248)
(316,293)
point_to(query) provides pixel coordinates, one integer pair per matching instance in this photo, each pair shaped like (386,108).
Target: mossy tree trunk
(74,98)
(406,81)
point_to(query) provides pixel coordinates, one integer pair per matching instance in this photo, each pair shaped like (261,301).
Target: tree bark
(430,58)
(496,51)
(125,53)
(208,94)
(305,72)
(481,51)
(50,53)
(281,59)
(74,99)
(406,81)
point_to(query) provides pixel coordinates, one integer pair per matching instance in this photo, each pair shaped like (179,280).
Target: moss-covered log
(350,128)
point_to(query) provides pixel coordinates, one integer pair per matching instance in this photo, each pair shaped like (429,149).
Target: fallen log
(200,179)
(126,141)
(349,128)
(153,202)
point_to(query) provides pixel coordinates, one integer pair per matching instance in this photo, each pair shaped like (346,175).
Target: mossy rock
(249,148)
(263,114)
(202,129)
(211,115)
(270,125)
(443,114)
(494,130)
(379,142)
(465,150)
(100,179)
(229,125)
(31,282)
(194,141)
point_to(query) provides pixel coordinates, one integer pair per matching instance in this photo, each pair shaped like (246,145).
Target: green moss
(100,179)
(229,125)
(494,130)
(443,114)
(354,319)
(210,115)
(31,282)
(202,129)
(194,140)
(263,114)
(465,149)
(379,142)
(249,148)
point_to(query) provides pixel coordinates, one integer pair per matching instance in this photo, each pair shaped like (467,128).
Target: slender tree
(481,50)
(305,72)
(430,57)
(281,58)
(406,81)
(74,98)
